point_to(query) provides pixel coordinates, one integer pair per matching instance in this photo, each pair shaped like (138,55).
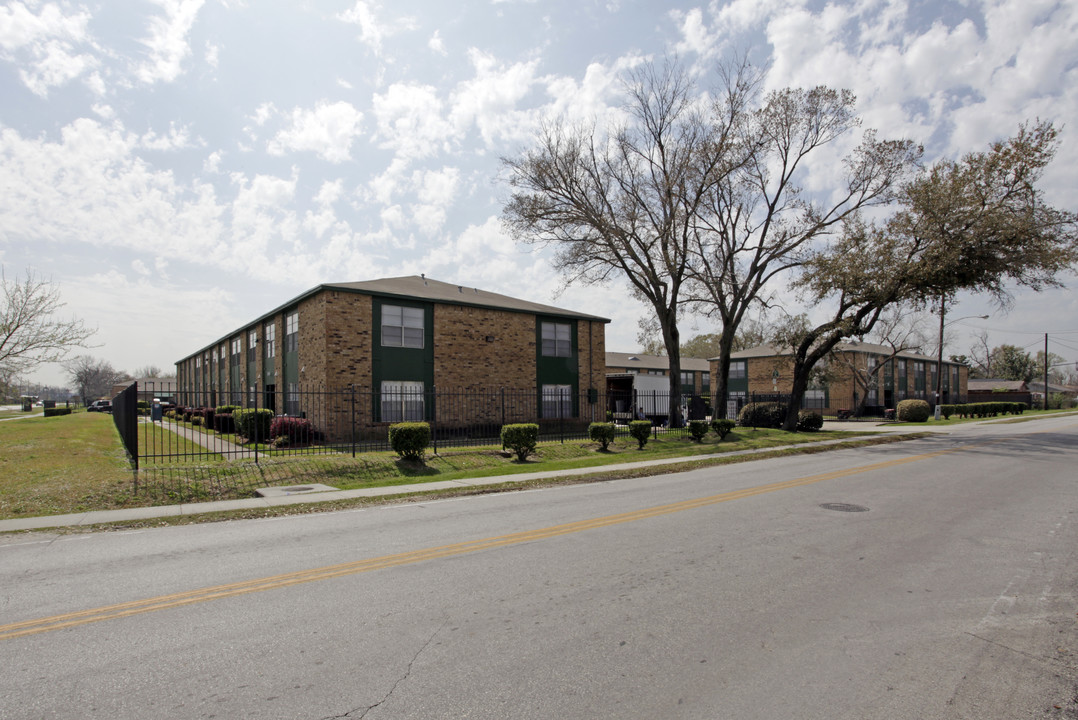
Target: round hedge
(913,411)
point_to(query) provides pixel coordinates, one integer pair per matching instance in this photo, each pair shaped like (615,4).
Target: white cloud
(372,30)
(327,131)
(47,47)
(410,121)
(436,44)
(167,42)
(490,99)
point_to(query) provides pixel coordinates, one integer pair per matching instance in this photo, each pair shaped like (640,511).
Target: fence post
(434,417)
(256,421)
(352,400)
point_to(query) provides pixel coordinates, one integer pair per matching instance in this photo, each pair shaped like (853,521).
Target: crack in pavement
(407,672)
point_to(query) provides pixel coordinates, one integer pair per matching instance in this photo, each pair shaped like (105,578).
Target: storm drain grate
(844,507)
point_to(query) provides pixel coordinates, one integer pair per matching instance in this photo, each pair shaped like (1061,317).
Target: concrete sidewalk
(298,498)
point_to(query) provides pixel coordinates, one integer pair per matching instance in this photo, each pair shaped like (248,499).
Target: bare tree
(622,201)
(31,333)
(93,378)
(759,224)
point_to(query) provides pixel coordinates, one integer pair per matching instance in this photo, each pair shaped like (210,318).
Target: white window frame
(739,369)
(402,401)
(403,326)
(557,339)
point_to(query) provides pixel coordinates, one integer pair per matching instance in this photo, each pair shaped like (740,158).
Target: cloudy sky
(179,167)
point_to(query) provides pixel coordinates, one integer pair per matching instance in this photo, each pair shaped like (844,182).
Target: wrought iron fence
(177,426)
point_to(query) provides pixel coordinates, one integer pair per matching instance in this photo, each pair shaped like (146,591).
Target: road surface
(927,579)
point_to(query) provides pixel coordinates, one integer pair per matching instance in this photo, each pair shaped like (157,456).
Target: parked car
(99,406)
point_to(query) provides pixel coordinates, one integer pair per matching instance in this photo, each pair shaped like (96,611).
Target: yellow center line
(216,592)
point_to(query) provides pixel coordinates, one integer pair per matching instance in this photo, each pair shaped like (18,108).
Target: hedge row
(773,415)
(983,409)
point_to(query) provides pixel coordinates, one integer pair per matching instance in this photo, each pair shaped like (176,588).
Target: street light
(939,357)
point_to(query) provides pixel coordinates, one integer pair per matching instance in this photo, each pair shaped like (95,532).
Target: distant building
(695,372)
(767,369)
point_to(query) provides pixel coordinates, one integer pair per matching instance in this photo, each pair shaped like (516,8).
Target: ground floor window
(557,401)
(291,399)
(402,401)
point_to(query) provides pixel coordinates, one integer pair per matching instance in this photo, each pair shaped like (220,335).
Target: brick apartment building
(885,380)
(396,340)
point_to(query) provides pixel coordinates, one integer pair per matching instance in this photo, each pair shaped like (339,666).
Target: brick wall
(464,359)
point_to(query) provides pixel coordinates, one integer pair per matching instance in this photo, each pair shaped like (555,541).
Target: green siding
(402,364)
(557,370)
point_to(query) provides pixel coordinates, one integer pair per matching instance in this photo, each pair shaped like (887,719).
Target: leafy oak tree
(973,224)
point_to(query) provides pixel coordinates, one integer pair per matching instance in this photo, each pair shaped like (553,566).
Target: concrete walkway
(286,497)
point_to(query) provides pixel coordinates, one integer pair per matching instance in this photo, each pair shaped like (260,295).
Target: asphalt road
(927,579)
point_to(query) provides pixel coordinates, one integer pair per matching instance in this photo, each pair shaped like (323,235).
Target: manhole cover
(844,507)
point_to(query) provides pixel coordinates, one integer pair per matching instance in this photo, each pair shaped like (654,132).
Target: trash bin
(155,412)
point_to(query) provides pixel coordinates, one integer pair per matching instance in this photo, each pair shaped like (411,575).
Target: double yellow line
(164,602)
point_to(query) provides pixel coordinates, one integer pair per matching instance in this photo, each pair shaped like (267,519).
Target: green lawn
(75,463)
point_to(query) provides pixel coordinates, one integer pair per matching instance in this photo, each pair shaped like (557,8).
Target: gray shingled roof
(652,362)
(416,286)
(870,348)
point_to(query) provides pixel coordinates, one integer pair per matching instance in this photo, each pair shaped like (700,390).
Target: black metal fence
(160,427)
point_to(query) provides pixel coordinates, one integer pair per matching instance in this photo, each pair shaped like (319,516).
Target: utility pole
(1046,371)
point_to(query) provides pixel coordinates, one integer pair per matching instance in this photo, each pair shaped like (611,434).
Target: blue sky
(179,167)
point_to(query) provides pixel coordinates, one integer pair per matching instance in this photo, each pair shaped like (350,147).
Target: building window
(252,345)
(269,337)
(291,399)
(402,326)
(705,380)
(557,401)
(688,384)
(291,332)
(402,401)
(738,369)
(557,339)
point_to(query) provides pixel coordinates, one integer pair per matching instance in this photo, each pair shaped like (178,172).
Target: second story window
(738,369)
(291,332)
(252,345)
(557,339)
(269,335)
(402,326)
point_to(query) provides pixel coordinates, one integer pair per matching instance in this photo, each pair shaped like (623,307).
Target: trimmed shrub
(54,411)
(221,409)
(196,421)
(809,421)
(297,430)
(602,433)
(913,411)
(947,411)
(762,415)
(253,424)
(409,439)
(641,431)
(222,423)
(521,438)
(698,429)
(723,427)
